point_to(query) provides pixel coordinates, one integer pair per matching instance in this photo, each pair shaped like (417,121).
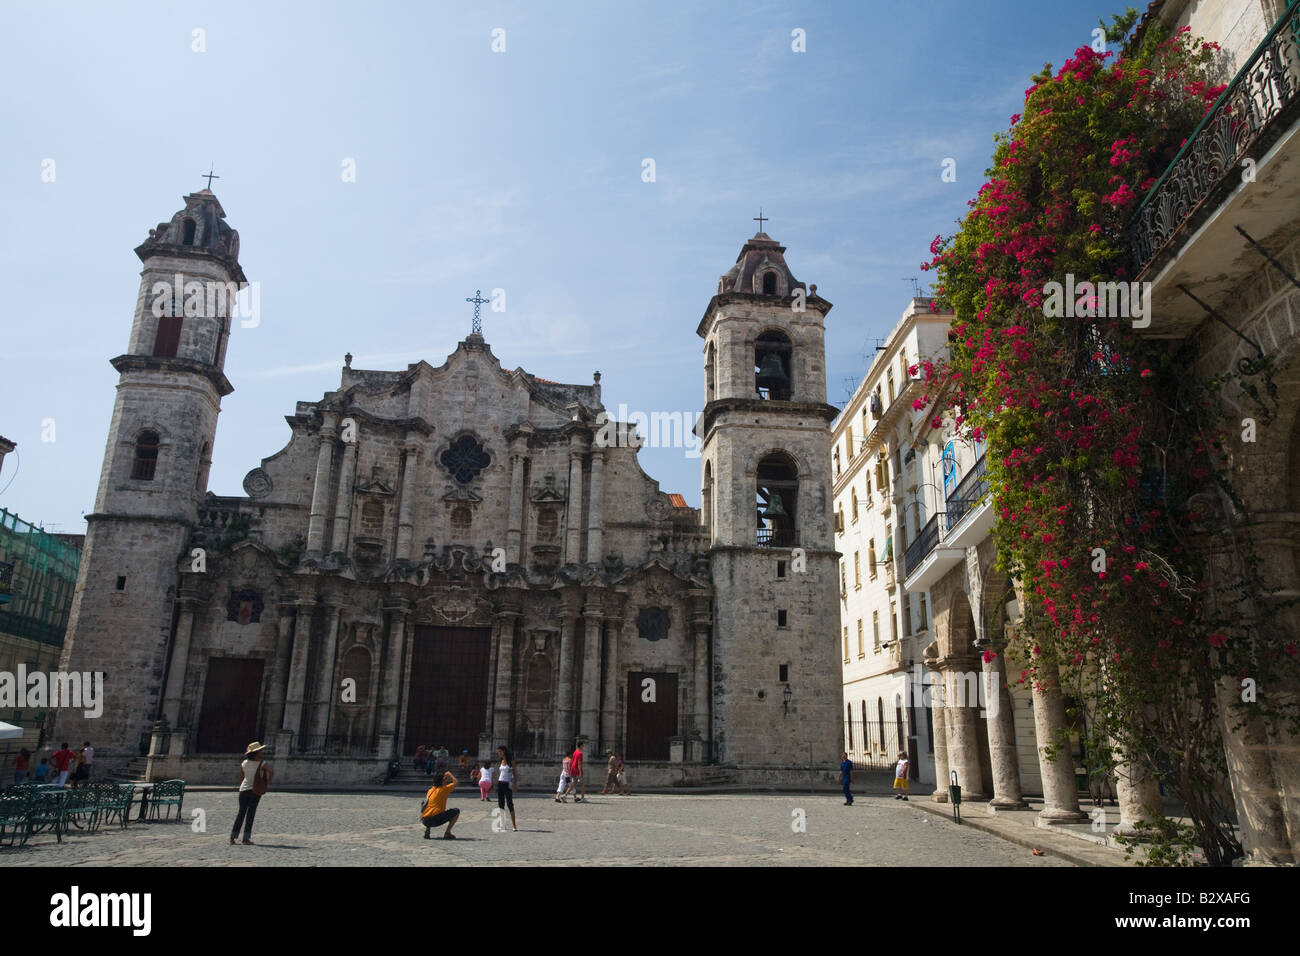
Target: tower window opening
(769,283)
(146,456)
(187,232)
(772,364)
(205,462)
(782,618)
(777,495)
(167,342)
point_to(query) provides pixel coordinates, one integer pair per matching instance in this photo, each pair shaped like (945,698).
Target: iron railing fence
(778,538)
(921,545)
(874,744)
(970,491)
(1256,108)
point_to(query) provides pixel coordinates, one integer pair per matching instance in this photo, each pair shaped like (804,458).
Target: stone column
(515,519)
(503,697)
(407,503)
(279,669)
(938,713)
(939,717)
(1060,795)
(343,502)
(609,709)
(321,486)
(1002,733)
(1259,802)
(564,691)
(1138,793)
(180,658)
(296,689)
(590,686)
(325,689)
(963,735)
(494,643)
(390,691)
(596,512)
(573,515)
(700,620)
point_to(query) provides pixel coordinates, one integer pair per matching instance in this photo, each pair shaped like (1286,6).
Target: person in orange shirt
(435,811)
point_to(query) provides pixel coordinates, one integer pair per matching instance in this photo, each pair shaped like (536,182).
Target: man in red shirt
(575,771)
(62,759)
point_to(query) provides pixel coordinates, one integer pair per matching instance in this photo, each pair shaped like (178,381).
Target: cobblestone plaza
(380,829)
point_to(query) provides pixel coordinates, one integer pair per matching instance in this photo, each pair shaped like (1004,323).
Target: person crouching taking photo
(435,811)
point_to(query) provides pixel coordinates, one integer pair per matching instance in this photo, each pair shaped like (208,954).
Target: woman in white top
(506,783)
(249,786)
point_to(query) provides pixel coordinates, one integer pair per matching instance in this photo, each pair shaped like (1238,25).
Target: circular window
(464,459)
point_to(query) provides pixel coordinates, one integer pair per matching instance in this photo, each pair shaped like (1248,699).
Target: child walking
(900,777)
(565,780)
(484,777)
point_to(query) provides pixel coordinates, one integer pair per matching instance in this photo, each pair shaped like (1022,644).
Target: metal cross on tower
(211,176)
(478,301)
(760,219)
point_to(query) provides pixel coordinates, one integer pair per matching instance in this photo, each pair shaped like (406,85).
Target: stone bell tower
(767,504)
(155,474)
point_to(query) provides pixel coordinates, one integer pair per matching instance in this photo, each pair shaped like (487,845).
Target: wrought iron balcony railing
(778,538)
(1248,116)
(970,491)
(923,544)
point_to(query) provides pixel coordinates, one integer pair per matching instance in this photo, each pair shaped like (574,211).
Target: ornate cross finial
(478,301)
(211,176)
(760,219)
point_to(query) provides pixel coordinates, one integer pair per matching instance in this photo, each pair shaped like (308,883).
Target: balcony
(970,509)
(928,558)
(1185,232)
(778,538)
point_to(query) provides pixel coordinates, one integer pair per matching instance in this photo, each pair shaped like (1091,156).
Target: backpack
(261,779)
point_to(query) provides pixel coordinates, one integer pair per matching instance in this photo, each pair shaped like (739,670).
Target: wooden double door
(651,714)
(231,695)
(448,698)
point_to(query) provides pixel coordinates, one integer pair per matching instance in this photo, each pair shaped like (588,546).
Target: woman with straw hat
(254,778)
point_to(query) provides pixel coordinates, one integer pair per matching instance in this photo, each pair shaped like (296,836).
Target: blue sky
(519,170)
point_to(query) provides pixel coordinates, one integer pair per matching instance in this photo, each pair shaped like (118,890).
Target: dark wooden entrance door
(449,688)
(228,721)
(651,714)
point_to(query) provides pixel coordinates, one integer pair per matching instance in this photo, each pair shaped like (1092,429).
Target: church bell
(771,374)
(775,509)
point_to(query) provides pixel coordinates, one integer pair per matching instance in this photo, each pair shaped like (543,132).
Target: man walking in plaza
(846,777)
(611,774)
(575,774)
(62,759)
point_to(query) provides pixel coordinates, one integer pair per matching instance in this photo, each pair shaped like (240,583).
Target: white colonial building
(881,461)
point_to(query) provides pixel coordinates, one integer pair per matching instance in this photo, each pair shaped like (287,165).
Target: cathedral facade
(459,554)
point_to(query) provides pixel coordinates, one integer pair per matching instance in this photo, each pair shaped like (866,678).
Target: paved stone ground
(381,829)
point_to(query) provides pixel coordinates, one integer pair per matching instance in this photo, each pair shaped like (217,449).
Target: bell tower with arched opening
(765,463)
(171,382)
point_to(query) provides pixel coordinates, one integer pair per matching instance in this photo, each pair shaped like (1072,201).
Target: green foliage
(1160,842)
(291,552)
(236,531)
(1100,440)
